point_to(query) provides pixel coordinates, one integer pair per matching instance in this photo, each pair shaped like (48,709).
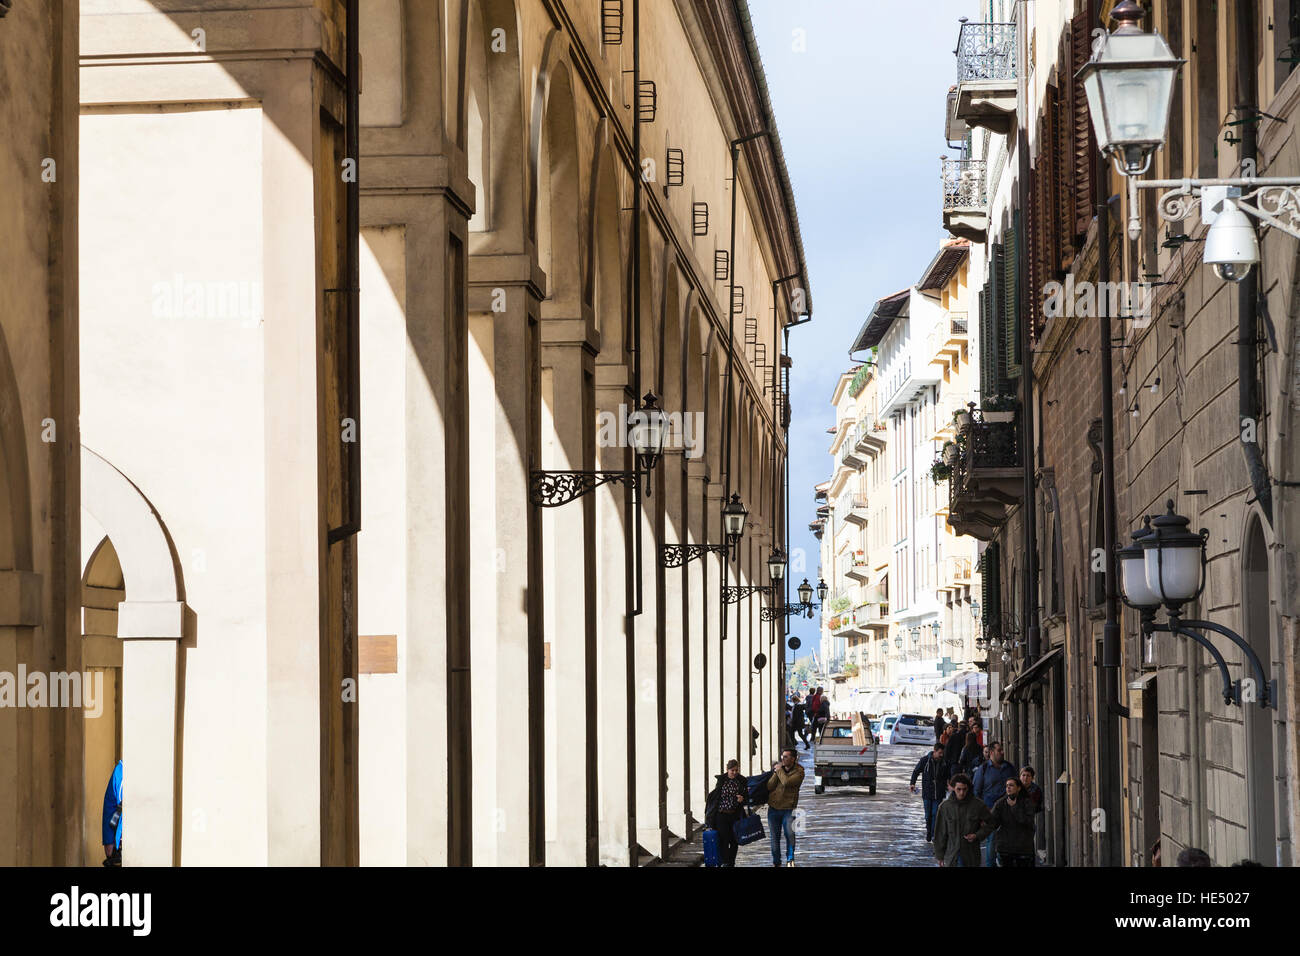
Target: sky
(860,114)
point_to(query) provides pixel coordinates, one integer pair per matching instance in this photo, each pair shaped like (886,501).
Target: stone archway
(151,621)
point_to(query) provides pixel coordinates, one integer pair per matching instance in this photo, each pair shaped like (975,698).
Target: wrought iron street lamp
(805,605)
(733,526)
(776,565)
(822,590)
(646,427)
(1165,564)
(1129,83)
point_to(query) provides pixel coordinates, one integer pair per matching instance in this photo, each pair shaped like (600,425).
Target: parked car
(913,729)
(887,728)
(841,761)
(875,729)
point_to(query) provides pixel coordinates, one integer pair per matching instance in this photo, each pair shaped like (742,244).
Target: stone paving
(847,826)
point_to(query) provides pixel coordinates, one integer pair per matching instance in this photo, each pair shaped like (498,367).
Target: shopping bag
(749,829)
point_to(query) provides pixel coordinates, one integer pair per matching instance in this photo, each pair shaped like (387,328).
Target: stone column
(676,635)
(711,667)
(20,612)
(152,632)
(570,578)
(698,602)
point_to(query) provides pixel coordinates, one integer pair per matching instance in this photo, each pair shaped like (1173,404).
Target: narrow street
(847,826)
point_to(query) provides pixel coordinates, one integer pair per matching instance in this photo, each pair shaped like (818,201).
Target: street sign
(794,643)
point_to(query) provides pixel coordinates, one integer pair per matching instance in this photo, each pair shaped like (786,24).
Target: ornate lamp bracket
(1274,200)
(550,489)
(785,610)
(679,555)
(738,592)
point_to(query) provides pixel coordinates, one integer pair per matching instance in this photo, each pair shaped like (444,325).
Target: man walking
(959,826)
(939,724)
(798,722)
(990,786)
(933,771)
(782,798)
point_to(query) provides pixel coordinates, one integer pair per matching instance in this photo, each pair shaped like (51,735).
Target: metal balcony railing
(965,183)
(986,51)
(958,323)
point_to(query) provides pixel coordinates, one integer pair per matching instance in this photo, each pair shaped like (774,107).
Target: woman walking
(725,806)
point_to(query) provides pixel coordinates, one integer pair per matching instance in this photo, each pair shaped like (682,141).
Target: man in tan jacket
(782,797)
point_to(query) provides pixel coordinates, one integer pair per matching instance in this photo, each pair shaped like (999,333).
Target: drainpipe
(1027,299)
(1248,404)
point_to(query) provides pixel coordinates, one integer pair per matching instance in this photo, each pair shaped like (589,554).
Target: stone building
(318,390)
(1147,749)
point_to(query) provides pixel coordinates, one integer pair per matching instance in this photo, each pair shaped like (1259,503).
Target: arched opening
(1261,773)
(558,207)
(494,126)
(102,590)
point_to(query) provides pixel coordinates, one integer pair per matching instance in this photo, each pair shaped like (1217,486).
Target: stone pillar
(570,602)
(20,612)
(676,645)
(699,586)
(508,775)
(712,664)
(617,769)
(649,643)
(152,632)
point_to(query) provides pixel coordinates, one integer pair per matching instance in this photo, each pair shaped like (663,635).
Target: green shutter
(1011,298)
(987,345)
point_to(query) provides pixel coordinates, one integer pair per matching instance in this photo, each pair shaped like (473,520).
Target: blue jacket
(990,781)
(112,830)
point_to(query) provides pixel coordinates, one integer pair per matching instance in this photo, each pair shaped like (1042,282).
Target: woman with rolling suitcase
(725,806)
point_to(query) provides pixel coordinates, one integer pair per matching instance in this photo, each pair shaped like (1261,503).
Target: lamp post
(805,605)
(1165,565)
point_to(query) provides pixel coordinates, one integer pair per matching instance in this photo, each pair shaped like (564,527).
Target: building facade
(1147,749)
(348,351)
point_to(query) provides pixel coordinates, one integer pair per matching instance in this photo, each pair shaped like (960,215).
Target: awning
(967,683)
(1031,674)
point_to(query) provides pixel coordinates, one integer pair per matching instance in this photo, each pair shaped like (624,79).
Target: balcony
(859,571)
(987,479)
(949,340)
(965,197)
(868,438)
(857,512)
(986,76)
(956,573)
(850,456)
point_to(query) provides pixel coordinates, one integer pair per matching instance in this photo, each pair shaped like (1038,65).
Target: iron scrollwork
(679,555)
(738,592)
(551,489)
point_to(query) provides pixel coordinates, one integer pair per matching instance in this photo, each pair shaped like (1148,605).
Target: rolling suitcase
(711,848)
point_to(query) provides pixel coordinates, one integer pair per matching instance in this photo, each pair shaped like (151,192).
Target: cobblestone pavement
(847,826)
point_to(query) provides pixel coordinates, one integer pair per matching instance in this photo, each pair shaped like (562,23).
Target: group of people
(803,715)
(974,796)
(734,796)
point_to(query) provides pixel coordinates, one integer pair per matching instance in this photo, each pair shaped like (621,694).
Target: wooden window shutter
(1010,298)
(1063,159)
(987,345)
(1084,145)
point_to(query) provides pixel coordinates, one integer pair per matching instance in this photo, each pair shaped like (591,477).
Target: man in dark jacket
(798,722)
(1033,792)
(959,826)
(953,748)
(725,806)
(933,771)
(1014,817)
(990,785)
(939,724)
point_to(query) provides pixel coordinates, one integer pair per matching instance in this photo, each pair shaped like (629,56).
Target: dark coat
(1015,825)
(797,717)
(711,808)
(939,725)
(954,819)
(990,781)
(952,749)
(934,777)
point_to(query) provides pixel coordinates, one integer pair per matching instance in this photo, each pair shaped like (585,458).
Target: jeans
(991,850)
(778,821)
(931,807)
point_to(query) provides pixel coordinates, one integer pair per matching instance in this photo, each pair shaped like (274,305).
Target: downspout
(1026,299)
(1248,403)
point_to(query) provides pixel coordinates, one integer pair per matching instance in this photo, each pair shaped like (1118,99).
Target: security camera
(1230,245)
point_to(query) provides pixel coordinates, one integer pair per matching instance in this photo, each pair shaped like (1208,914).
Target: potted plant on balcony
(940,471)
(1000,408)
(951,452)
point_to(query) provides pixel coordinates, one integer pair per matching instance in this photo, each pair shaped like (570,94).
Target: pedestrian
(970,759)
(823,715)
(1033,792)
(782,798)
(1014,817)
(960,824)
(940,725)
(724,807)
(977,728)
(956,741)
(1193,856)
(112,819)
(989,785)
(799,722)
(933,771)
